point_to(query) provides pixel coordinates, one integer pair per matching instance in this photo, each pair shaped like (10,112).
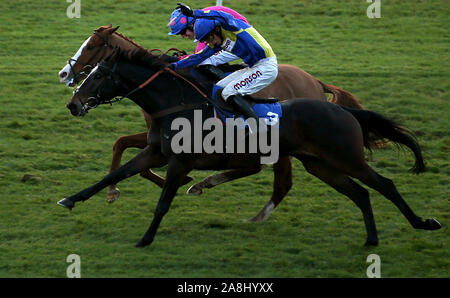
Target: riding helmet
(203,27)
(178,22)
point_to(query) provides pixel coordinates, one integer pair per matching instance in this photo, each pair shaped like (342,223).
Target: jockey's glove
(186,10)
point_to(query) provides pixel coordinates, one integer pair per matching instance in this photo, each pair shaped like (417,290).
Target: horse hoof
(432,224)
(194,190)
(66,203)
(113,195)
(143,243)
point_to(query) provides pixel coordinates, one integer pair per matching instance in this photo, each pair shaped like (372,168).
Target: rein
(171,110)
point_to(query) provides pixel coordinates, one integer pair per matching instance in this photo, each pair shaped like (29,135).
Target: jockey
(221,31)
(184,26)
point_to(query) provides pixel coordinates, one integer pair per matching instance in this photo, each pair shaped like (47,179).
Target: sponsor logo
(248,80)
(228,45)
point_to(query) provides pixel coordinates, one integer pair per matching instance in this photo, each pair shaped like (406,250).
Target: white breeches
(251,79)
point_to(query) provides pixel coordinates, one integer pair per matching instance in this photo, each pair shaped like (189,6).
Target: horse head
(93,49)
(100,87)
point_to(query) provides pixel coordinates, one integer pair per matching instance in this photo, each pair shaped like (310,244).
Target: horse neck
(155,96)
(126,46)
(163,92)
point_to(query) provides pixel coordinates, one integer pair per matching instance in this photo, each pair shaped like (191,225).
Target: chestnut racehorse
(292,82)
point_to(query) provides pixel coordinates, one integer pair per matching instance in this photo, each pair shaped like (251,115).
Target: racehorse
(328,139)
(292,82)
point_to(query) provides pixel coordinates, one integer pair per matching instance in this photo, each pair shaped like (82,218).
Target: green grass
(397,65)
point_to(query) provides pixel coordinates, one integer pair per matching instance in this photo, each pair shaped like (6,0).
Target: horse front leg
(176,172)
(144,160)
(131,141)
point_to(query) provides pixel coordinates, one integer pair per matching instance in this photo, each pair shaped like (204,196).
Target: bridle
(87,68)
(94,101)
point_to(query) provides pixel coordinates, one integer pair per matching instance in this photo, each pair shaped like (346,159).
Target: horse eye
(90,47)
(98,76)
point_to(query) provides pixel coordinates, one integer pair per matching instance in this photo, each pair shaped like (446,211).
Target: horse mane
(145,57)
(129,40)
(138,53)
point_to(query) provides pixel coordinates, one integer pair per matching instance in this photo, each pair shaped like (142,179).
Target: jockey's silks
(239,38)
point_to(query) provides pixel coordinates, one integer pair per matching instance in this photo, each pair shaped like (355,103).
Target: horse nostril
(63,74)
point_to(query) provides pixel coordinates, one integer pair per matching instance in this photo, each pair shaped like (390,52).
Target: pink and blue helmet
(203,27)
(178,22)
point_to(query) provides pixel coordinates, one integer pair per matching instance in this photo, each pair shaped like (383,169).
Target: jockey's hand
(171,66)
(186,10)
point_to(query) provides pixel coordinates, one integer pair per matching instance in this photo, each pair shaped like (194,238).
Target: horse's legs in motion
(176,172)
(136,141)
(144,160)
(343,184)
(387,188)
(281,185)
(217,179)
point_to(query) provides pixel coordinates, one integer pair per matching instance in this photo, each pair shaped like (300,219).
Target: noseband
(94,101)
(87,68)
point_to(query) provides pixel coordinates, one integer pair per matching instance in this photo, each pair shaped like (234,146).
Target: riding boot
(212,72)
(242,106)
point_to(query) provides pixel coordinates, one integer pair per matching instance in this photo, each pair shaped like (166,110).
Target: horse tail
(378,128)
(341,96)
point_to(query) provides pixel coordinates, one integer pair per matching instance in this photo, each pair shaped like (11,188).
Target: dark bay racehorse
(292,82)
(329,140)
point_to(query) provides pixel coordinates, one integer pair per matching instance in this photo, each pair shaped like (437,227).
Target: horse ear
(111,30)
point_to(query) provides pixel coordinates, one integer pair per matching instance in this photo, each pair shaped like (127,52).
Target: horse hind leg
(217,179)
(345,185)
(387,188)
(158,180)
(281,185)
